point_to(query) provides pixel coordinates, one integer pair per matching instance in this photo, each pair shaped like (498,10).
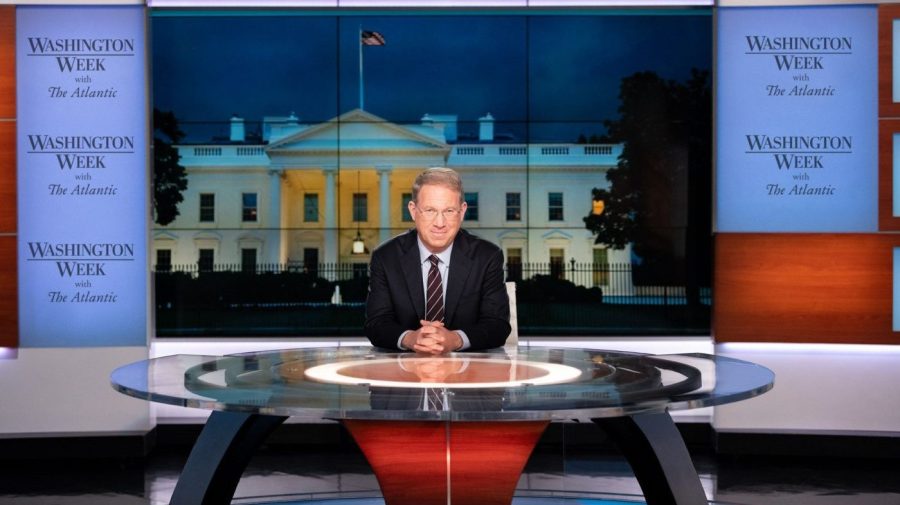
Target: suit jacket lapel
(460,266)
(412,272)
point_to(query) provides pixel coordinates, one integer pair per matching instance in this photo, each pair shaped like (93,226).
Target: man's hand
(432,338)
(431,369)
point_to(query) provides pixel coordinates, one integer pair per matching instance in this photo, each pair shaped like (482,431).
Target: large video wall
(583,139)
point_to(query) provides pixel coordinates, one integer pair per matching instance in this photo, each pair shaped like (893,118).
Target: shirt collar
(424,253)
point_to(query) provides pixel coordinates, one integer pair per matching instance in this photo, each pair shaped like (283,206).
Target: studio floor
(559,474)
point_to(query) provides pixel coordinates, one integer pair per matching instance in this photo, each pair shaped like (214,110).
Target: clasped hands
(432,338)
(432,368)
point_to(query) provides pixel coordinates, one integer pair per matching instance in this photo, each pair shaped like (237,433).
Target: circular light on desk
(426,372)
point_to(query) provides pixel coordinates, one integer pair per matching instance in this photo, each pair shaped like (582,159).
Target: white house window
(555,206)
(360,207)
(248,259)
(514,206)
(557,263)
(472,206)
(207,207)
(404,209)
(514,264)
(311,261)
(601,267)
(163,260)
(248,207)
(311,207)
(205,260)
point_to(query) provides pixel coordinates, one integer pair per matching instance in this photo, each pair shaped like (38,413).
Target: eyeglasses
(431,214)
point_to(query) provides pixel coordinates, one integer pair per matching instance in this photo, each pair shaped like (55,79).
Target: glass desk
(438,430)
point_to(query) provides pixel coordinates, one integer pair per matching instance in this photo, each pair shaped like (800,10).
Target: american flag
(370,38)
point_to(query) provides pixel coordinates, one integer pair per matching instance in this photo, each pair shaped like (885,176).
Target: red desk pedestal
(441,462)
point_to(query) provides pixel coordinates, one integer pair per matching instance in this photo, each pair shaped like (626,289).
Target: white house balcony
(223,155)
(605,155)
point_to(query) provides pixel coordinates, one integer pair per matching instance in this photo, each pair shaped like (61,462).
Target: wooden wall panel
(811,288)
(9,299)
(7,119)
(9,293)
(7,61)
(7,177)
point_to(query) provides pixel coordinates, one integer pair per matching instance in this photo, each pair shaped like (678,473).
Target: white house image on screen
(301,193)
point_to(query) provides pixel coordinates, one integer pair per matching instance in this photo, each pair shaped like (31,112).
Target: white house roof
(360,130)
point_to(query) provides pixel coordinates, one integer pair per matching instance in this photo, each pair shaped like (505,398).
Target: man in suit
(437,289)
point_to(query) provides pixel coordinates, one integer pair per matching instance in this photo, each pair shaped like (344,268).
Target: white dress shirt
(444,270)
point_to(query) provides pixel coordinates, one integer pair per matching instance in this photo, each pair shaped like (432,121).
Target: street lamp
(359,247)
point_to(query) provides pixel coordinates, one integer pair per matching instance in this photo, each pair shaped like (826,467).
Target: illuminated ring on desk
(389,373)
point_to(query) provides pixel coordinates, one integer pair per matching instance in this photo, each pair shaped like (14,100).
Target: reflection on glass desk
(450,429)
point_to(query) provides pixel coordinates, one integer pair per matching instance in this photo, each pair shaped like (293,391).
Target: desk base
(516,501)
(219,457)
(424,462)
(656,452)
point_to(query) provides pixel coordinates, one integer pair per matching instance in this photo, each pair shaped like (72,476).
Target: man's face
(438,215)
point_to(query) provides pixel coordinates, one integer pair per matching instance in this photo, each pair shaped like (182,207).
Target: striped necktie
(434,297)
(435,399)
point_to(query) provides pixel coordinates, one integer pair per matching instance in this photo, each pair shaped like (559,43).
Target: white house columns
(384,201)
(273,249)
(331,213)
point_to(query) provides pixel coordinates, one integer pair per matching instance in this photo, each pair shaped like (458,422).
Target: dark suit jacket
(476,301)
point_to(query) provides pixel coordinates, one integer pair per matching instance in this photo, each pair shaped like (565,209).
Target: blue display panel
(896,175)
(797,119)
(82,176)
(895,88)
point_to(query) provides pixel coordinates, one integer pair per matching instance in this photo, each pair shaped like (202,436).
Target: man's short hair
(438,176)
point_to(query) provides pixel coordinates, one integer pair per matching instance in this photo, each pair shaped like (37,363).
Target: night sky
(547,78)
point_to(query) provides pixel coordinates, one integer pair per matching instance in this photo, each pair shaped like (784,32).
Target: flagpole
(359,41)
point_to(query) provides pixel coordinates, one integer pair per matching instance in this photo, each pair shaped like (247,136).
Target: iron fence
(611,283)
(323,299)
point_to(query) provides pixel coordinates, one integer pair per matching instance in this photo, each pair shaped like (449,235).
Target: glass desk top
(533,383)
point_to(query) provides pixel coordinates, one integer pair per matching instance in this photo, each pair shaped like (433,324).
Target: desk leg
(656,452)
(219,457)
